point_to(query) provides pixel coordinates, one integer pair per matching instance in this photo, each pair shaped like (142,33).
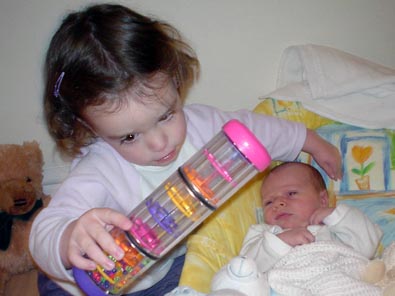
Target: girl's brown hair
(97,54)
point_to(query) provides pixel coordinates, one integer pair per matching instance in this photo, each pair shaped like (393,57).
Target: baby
(296,212)
(304,247)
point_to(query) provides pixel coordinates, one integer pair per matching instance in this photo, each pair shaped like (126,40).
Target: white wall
(239,44)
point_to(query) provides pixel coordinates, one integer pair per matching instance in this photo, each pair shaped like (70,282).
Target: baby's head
(98,56)
(291,193)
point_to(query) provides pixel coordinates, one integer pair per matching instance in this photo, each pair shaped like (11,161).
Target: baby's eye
(267,203)
(129,138)
(292,193)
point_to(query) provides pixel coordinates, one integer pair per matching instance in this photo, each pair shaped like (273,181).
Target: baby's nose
(280,202)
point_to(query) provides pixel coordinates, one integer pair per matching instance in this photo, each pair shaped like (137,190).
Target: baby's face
(289,197)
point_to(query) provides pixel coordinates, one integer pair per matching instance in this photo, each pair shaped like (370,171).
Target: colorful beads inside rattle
(183,203)
(201,184)
(144,235)
(161,216)
(115,279)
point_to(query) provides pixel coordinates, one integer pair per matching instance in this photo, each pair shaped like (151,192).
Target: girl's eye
(129,138)
(169,115)
(292,193)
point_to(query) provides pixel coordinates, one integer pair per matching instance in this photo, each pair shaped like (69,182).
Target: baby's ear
(324,198)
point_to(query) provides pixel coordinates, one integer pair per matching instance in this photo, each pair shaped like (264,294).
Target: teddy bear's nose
(23,200)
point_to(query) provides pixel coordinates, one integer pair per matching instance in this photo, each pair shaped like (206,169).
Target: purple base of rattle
(86,284)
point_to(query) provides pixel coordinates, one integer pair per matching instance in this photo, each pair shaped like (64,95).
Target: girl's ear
(86,125)
(324,196)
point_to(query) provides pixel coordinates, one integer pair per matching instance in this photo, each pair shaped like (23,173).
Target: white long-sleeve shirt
(346,224)
(102,178)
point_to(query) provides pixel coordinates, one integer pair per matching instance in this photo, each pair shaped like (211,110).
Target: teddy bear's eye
(28,179)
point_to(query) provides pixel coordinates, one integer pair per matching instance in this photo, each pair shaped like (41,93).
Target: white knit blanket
(321,268)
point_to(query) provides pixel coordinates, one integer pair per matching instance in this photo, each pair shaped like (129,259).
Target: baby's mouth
(282,216)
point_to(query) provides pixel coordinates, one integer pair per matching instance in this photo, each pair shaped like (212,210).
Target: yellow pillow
(219,238)
(293,111)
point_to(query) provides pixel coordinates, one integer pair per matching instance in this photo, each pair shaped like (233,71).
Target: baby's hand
(89,236)
(319,215)
(296,237)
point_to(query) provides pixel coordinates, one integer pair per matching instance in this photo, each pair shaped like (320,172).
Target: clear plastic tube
(186,198)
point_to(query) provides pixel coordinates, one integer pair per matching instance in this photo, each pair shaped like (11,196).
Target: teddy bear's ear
(33,152)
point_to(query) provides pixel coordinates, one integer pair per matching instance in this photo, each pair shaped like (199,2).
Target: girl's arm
(282,138)
(324,153)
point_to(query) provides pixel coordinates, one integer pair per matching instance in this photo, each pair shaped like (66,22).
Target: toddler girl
(116,83)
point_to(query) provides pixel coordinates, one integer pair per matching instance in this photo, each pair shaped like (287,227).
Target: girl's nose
(157,139)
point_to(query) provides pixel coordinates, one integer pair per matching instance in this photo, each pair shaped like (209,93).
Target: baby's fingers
(309,237)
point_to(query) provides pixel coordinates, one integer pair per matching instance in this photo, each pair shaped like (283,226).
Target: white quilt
(321,268)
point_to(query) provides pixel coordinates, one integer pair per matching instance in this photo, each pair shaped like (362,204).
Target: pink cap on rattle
(247,144)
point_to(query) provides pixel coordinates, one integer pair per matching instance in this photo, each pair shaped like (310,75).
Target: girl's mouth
(167,158)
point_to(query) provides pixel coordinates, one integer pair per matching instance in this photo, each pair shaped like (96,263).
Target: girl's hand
(324,153)
(297,236)
(86,239)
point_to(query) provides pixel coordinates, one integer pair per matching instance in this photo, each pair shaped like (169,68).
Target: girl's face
(289,197)
(148,129)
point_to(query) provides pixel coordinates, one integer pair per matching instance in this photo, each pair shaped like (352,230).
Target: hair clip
(57,85)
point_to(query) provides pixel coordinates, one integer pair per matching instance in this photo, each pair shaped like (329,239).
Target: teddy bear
(21,198)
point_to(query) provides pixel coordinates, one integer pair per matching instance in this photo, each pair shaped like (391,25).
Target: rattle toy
(187,197)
